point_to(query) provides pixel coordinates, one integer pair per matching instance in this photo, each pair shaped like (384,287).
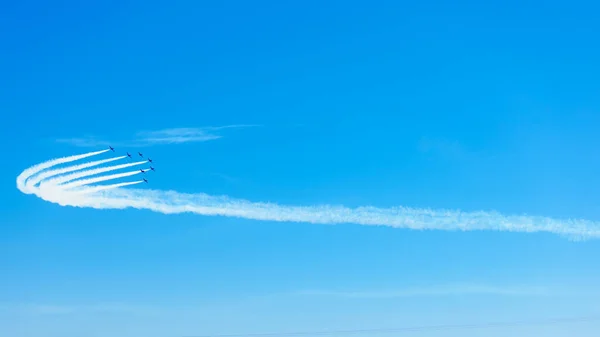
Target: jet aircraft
(152,168)
(142,171)
(111,148)
(141,155)
(146,181)
(128,155)
(150,160)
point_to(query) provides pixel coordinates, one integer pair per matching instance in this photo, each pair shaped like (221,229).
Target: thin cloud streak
(438,290)
(66,309)
(159,137)
(84,142)
(419,292)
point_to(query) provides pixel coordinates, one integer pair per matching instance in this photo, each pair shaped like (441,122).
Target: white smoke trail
(82,174)
(89,181)
(40,167)
(170,202)
(88,190)
(51,173)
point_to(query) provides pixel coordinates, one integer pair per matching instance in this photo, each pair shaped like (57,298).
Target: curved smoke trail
(81,174)
(66,190)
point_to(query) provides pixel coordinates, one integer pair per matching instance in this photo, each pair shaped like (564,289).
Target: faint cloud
(439,290)
(48,309)
(185,135)
(225,177)
(158,137)
(51,309)
(222,176)
(176,136)
(84,142)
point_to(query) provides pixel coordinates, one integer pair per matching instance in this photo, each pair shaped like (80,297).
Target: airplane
(146,181)
(128,155)
(152,168)
(150,160)
(142,171)
(141,155)
(111,148)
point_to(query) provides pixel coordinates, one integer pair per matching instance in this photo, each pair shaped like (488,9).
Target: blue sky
(442,105)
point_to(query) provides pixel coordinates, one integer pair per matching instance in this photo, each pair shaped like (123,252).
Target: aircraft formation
(141,155)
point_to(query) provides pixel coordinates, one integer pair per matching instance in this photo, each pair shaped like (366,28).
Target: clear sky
(470,105)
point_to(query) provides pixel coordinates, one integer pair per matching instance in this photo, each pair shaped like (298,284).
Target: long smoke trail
(88,190)
(51,173)
(82,174)
(40,167)
(171,202)
(89,181)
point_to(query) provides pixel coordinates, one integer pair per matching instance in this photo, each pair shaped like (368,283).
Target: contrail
(84,182)
(73,176)
(171,202)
